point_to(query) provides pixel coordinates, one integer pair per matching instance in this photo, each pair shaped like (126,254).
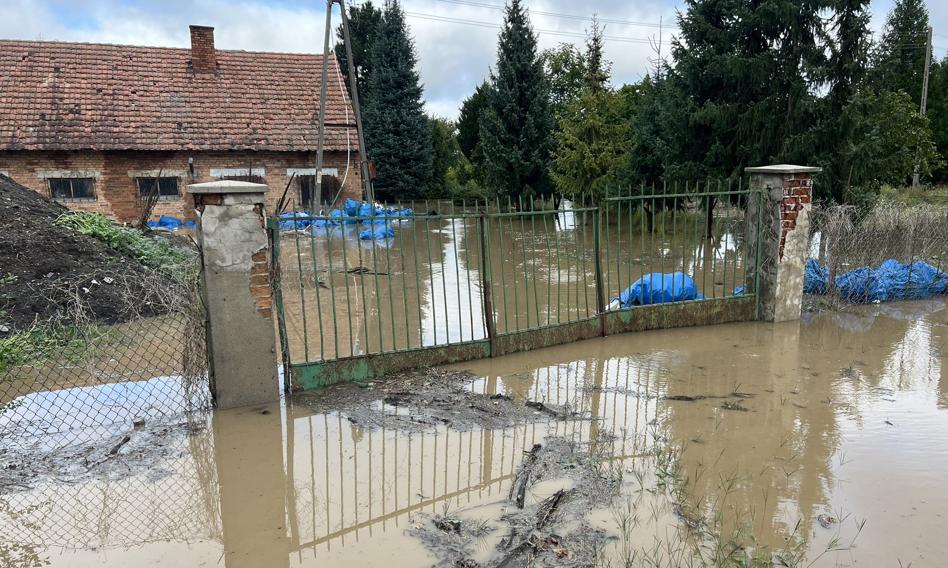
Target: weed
(156,253)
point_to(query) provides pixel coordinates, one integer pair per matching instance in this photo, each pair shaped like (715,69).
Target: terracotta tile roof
(70,96)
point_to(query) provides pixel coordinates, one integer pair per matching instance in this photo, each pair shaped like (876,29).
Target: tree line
(743,83)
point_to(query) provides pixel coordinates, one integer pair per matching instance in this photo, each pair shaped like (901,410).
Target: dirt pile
(47,270)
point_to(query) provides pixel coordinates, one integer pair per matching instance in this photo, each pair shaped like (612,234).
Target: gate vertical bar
(600,300)
(277,285)
(487,301)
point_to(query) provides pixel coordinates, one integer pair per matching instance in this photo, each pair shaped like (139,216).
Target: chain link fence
(68,377)
(848,246)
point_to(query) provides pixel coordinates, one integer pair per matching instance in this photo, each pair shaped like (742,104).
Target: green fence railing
(459,283)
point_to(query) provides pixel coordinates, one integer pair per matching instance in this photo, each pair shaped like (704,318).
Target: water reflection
(781,422)
(425,286)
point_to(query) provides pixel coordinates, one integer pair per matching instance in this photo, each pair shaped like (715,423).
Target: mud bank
(422,399)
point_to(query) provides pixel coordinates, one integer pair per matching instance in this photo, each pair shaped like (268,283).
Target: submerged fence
(459,283)
(849,246)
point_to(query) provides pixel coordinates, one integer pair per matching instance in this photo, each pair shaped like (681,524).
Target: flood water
(840,415)
(425,287)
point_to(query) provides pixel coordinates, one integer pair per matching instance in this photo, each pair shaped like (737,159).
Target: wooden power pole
(367,191)
(924,103)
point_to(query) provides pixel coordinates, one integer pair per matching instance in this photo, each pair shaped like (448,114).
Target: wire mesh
(70,375)
(845,240)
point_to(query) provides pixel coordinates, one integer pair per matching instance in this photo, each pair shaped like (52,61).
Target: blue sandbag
(739,291)
(351,207)
(153,224)
(815,276)
(378,233)
(290,221)
(171,223)
(893,280)
(190,224)
(658,288)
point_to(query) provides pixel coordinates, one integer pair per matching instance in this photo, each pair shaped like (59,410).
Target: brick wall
(117,192)
(796,196)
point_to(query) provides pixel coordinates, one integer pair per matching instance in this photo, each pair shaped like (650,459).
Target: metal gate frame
(311,374)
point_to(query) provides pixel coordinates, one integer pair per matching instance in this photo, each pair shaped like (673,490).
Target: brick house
(95,126)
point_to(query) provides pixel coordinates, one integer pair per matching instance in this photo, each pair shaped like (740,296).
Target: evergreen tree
(469,123)
(397,132)
(938,113)
(598,70)
(846,72)
(446,155)
(900,57)
(364,21)
(515,129)
(747,68)
(592,144)
(592,134)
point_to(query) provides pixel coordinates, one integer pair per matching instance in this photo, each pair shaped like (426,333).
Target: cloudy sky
(455,39)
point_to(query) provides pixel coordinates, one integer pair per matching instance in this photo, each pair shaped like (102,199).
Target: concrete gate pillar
(783,210)
(236,287)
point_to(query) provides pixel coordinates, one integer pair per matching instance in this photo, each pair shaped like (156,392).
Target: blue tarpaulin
(289,221)
(892,280)
(658,288)
(377,233)
(170,223)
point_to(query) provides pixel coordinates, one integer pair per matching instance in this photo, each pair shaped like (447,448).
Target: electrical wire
(496,26)
(562,15)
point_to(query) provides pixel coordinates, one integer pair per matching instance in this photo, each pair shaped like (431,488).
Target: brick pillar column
(236,287)
(782,207)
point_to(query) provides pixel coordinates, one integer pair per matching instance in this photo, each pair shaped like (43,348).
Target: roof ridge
(161,47)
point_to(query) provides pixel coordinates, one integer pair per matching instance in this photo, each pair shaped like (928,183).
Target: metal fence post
(273,233)
(487,302)
(597,262)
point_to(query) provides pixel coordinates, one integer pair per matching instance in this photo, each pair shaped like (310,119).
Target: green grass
(39,343)
(937,195)
(156,253)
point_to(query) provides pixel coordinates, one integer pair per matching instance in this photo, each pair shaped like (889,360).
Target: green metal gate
(477,280)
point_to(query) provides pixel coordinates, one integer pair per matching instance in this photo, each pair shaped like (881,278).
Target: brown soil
(422,399)
(44,267)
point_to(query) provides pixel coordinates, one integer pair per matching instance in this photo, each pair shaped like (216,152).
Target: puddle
(745,433)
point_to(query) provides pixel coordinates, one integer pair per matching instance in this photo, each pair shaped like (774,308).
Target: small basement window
(167,187)
(72,189)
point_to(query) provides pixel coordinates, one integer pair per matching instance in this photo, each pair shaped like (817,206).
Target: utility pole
(353,87)
(924,103)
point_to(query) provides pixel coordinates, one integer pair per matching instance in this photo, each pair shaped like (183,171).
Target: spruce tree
(516,127)
(469,124)
(598,70)
(397,131)
(748,68)
(900,57)
(364,22)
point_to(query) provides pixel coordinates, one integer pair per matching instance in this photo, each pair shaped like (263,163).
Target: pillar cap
(227,186)
(783,169)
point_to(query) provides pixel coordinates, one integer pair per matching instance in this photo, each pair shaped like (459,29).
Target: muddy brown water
(424,287)
(841,415)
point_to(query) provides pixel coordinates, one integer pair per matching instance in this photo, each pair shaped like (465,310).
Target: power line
(563,15)
(496,26)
